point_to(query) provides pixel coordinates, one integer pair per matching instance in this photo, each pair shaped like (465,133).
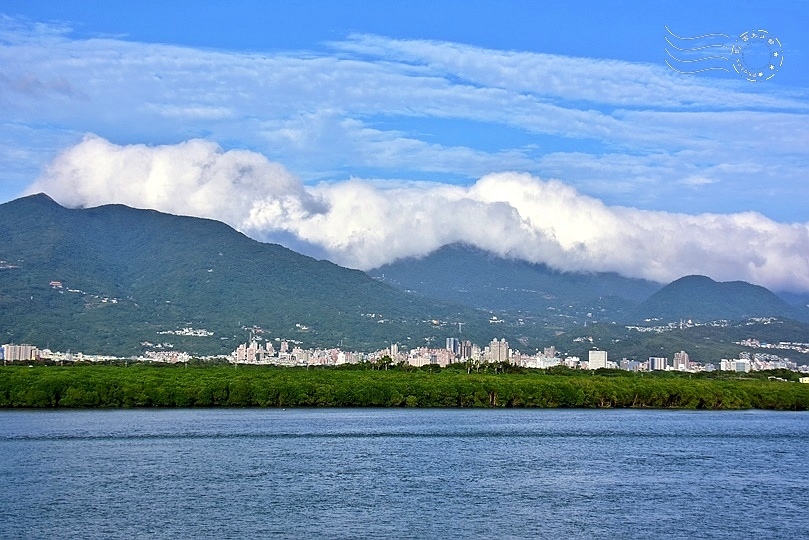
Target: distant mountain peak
(41,198)
(141,272)
(694,278)
(700,297)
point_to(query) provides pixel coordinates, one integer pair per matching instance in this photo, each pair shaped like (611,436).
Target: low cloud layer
(364,223)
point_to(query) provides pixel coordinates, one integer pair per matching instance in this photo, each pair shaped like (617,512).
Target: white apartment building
(597,360)
(19,353)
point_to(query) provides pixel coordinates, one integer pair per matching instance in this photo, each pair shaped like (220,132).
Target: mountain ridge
(140,272)
(116,280)
(472,276)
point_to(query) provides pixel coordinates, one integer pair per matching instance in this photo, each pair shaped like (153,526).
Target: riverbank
(225,386)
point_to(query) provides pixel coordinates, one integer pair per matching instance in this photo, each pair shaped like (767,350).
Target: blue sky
(288,120)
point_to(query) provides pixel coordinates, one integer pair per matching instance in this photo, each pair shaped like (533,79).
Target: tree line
(83,386)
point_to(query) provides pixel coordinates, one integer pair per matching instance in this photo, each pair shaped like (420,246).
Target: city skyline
(258,351)
(363,134)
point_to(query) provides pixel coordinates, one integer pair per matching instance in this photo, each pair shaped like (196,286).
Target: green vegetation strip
(224,386)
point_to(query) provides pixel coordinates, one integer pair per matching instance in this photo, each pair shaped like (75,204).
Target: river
(393,473)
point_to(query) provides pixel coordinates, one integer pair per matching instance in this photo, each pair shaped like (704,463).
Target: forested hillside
(111,278)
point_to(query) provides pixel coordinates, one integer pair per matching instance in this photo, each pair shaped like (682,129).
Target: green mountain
(473,277)
(705,343)
(121,281)
(118,280)
(576,312)
(701,298)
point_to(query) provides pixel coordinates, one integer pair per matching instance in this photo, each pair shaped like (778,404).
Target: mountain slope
(129,276)
(473,277)
(118,280)
(701,298)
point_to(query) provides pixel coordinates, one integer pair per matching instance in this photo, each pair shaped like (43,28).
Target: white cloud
(372,105)
(364,224)
(613,82)
(698,181)
(193,178)
(353,143)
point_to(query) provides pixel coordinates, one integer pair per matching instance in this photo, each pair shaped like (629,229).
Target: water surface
(358,473)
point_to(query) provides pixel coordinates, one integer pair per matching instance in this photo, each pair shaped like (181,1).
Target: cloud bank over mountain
(364,223)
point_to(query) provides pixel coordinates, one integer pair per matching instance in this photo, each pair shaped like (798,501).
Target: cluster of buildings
(781,345)
(496,351)
(30,353)
(456,350)
(20,353)
(289,353)
(265,354)
(759,362)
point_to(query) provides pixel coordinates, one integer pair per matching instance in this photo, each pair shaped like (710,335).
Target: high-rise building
(681,362)
(301,356)
(253,353)
(597,360)
(498,350)
(738,365)
(657,363)
(19,353)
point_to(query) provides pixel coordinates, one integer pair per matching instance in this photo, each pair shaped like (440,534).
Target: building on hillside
(597,360)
